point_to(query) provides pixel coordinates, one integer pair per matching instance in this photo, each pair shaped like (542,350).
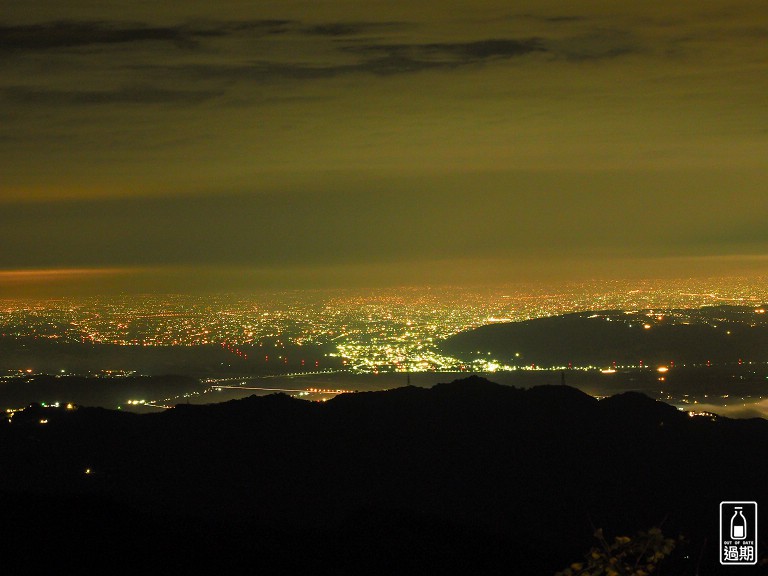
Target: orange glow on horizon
(58,274)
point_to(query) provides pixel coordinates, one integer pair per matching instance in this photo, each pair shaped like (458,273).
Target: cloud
(91,104)
(376,59)
(70,34)
(233,50)
(744,410)
(76,34)
(561,19)
(405,58)
(341,29)
(55,35)
(125,95)
(454,53)
(597,44)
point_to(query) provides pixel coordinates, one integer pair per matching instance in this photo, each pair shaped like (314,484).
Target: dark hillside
(487,478)
(601,338)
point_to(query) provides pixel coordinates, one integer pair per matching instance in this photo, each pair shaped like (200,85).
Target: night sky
(187,146)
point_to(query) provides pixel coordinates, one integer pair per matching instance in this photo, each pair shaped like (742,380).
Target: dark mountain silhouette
(467,476)
(716,334)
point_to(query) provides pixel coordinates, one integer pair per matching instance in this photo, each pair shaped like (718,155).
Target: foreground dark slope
(468,475)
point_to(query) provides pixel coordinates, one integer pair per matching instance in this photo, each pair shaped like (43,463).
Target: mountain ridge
(376,474)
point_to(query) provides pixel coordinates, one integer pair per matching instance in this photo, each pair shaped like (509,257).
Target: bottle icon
(738,525)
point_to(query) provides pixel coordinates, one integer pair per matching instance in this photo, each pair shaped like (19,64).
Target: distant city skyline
(191,147)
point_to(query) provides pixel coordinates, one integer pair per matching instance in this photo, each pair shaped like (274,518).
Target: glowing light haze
(230,145)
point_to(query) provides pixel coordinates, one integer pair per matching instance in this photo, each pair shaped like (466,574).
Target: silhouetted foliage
(625,556)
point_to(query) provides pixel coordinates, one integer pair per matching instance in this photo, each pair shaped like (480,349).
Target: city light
(396,331)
